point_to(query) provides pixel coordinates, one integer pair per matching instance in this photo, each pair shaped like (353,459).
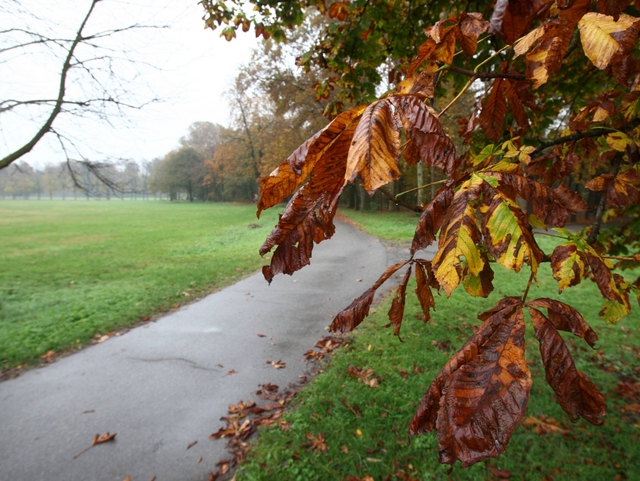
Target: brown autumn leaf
(374,151)
(575,393)
(428,141)
(546,58)
(397,306)
(619,190)
(543,425)
(98,439)
(308,217)
(315,443)
(432,217)
(313,356)
(613,7)
(191,444)
(554,206)
(423,292)
(480,395)
(277,364)
(292,173)
(234,429)
(494,110)
(351,316)
(241,409)
(511,19)
(471,26)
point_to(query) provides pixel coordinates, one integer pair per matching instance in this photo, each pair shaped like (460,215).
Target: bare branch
(59,101)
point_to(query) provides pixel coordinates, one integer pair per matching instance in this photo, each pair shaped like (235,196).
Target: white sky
(192,69)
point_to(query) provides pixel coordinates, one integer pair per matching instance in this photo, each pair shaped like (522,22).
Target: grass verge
(364,428)
(70,271)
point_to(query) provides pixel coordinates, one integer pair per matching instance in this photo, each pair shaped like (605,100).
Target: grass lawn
(365,428)
(71,270)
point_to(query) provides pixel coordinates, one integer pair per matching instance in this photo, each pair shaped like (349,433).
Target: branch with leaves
(496,191)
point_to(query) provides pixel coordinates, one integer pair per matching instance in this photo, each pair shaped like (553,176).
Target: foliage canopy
(555,131)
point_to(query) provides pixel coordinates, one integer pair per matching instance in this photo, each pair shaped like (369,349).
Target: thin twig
(418,188)
(471,73)
(595,228)
(406,205)
(472,79)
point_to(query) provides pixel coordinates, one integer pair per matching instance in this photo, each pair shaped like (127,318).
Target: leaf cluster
(556,118)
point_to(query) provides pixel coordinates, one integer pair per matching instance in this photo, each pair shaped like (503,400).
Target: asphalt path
(164,385)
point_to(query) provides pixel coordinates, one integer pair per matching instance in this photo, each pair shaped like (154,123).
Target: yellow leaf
(619,141)
(596,32)
(457,244)
(523,44)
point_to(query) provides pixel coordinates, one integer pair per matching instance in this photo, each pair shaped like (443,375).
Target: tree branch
(59,101)
(583,135)
(471,73)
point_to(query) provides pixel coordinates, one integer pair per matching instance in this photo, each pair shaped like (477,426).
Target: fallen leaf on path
(98,439)
(313,356)
(262,335)
(235,429)
(277,364)
(233,371)
(199,459)
(192,444)
(128,478)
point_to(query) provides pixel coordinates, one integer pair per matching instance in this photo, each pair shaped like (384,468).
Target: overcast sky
(190,69)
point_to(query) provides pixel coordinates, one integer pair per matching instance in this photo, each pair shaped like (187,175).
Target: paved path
(160,386)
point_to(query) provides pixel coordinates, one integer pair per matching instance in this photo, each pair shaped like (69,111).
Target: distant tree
(180,171)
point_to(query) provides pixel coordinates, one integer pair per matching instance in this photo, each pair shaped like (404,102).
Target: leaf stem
(526,292)
(420,187)
(472,79)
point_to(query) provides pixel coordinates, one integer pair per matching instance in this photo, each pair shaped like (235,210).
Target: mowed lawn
(364,429)
(73,270)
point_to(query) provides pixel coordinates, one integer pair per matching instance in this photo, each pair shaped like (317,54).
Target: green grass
(585,452)
(390,226)
(71,270)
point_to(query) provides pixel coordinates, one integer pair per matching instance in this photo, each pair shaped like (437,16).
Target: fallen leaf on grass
(631,408)
(404,374)
(98,439)
(344,449)
(277,364)
(543,425)
(365,376)
(355,478)
(315,443)
(501,474)
(355,409)
(192,444)
(48,357)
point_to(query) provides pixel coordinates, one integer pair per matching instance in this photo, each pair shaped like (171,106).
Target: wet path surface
(166,384)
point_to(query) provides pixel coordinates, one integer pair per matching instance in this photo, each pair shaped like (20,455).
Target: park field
(73,271)
(364,429)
